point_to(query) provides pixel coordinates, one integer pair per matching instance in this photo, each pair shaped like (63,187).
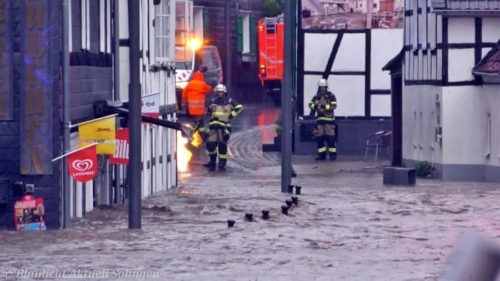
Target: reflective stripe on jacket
(223,110)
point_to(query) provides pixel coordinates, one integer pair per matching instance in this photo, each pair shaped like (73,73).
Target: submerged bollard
(295,200)
(290,188)
(297,189)
(284,210)
(265,214)
(288,203)
(230,223)
(249,217)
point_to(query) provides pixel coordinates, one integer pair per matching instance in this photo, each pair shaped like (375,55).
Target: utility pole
(286,97)
(66,117)
(227,74)
(135,118)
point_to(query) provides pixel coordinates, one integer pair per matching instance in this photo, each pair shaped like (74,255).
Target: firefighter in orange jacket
(193,98)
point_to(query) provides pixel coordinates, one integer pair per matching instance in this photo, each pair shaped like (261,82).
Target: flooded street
(346,226)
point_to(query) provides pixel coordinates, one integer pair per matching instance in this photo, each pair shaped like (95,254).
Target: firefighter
(324,103)
(222,110)
(193,98)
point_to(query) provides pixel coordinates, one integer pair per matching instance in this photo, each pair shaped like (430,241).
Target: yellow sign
(101,131)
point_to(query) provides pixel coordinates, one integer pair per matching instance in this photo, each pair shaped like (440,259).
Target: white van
(207,56)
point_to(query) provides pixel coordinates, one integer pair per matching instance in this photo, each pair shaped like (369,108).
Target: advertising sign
(122,146)
(151,105)
(101,131)
(352,14)
(28,214)
(83,165)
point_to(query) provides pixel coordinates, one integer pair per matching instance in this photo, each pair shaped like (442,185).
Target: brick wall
(247,80)
(47,187)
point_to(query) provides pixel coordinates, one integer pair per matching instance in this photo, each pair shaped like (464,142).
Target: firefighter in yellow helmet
(324,103)
(222,109)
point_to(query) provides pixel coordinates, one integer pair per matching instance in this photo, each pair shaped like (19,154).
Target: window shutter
(239,32)
(253,34)
(206,25)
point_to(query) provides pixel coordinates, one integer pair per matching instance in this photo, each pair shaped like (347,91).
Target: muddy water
(347,226)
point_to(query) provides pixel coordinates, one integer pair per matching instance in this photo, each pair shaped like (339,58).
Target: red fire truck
(271,56)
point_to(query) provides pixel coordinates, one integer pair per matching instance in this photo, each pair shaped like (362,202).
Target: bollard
(284,210)
(288,203)
(230,223)
(265,214)
(297,189)
(290,188)
(249,217)
(295,200)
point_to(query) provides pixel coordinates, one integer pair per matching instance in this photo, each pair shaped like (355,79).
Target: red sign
(121,153)
(28,214)
(83,164)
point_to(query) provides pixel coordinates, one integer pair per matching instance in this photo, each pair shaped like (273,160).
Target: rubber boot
(222,164)
(321,157)
(213,161)
(333,156)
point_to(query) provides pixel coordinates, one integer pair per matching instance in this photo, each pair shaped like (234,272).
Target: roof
(465,5)
(490,64)
(394,62)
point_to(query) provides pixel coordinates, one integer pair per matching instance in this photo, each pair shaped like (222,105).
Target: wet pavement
(346,226)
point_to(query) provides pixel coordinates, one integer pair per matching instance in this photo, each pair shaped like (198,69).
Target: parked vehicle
(207,56)
(271,56)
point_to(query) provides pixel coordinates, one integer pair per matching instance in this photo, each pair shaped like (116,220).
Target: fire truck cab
(271,56)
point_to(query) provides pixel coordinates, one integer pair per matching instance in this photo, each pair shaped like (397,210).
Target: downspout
(116,92)
(66,118)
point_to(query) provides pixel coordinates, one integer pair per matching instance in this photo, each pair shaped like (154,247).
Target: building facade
(243,36)
(30,111)
(449,93)
(31,94)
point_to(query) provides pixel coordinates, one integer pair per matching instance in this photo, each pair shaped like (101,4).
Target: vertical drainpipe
(227,75)
(66,118)
(116,87)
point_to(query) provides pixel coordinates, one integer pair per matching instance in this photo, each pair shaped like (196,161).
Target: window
(105,26)
(163,30)
(247,33)
(85,24)
(207,59)
(182,30)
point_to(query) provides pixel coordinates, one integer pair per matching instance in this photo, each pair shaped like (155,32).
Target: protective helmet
(323,83)
(220,88)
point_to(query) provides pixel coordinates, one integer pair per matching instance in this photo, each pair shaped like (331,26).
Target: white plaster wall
(491,26)
(351,55)
(485,51)
(381,105)
(164,142)
(349,91)
(386,44)
(461,30)
(460,64)
(465,130)
(124,51)
(420,119)
(317,51)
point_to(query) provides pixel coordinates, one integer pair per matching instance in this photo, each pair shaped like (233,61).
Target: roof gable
(490,64)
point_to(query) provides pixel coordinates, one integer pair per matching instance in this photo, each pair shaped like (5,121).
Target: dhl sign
(100,131)
(122,147)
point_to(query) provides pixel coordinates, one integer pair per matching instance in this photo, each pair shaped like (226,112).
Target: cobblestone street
(347,225)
